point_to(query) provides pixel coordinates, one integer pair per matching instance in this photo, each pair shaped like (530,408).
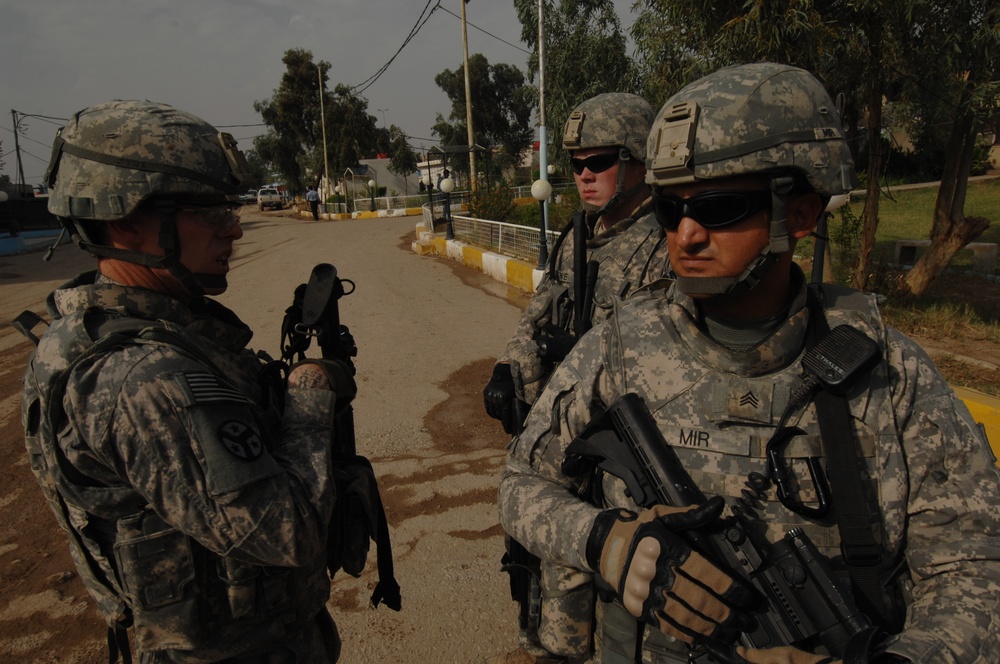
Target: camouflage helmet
(610,120)
(113,156)
(757,118)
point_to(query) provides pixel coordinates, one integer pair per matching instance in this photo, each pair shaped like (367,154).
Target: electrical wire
(421,21)
(490,34)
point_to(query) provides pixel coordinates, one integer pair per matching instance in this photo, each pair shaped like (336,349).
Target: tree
(501,111)
(258,170)
(293,144)
(585,55)
(958,56)
(402,158)
(4,178)
(294,137)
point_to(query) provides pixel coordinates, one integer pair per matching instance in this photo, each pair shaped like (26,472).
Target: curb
(504,269)
(378,214)
(985,409)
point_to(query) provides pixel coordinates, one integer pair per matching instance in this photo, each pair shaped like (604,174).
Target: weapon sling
(862,553)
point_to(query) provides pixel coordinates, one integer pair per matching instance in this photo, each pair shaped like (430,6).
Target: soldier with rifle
(606,140)
(612,246)
(196,495)
(754,469)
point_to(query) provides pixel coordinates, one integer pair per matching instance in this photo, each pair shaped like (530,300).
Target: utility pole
(17,151)
(468,101)
(322,117)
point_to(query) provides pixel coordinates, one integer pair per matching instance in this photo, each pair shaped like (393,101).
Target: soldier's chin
(213,284)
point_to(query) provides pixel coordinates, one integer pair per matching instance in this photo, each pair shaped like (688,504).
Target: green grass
(908,215)
(955,310)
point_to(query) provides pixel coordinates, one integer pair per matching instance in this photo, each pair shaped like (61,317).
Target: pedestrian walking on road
(313,199)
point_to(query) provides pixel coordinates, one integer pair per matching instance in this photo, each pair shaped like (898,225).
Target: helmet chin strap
(170,242)
(194,284)
(753,273)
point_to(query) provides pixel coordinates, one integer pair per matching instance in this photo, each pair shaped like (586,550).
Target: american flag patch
(206,387)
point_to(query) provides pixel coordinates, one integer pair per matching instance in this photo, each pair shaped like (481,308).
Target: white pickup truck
(269,198)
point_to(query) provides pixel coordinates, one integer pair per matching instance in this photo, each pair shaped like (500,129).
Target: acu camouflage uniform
(933,471)
(630,254)
(189,499)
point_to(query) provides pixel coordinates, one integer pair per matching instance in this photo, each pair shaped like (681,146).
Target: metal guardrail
(512,240)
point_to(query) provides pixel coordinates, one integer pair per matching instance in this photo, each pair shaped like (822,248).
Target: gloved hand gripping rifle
(801,602)
(358,515)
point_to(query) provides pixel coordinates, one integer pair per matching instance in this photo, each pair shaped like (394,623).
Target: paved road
(427,331)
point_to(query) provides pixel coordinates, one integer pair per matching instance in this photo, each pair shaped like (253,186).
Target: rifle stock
(801,603)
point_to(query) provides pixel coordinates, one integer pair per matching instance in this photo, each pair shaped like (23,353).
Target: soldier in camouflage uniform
(196,496)
(742,163)
(606,139)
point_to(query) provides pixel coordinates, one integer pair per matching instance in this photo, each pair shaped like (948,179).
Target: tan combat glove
(783,655)
(658,577)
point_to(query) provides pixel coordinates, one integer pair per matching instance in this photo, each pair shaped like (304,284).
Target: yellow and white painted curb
(504,269)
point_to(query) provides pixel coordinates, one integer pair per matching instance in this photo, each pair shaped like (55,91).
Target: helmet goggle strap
(781,190)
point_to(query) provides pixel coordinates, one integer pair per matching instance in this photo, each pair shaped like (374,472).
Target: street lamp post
(371,189)
(540,191)
(447,186)
(429,185)
(337,191)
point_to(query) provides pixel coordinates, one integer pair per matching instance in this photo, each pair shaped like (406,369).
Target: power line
(421,21)
(490,34)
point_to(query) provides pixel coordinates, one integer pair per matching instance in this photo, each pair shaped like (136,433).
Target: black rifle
(555,341)
(800,601)
(358,513)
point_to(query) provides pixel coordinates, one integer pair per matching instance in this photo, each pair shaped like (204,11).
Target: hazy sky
(214,58)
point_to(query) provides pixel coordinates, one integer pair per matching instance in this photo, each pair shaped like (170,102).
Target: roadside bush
(495,203)
(847,236)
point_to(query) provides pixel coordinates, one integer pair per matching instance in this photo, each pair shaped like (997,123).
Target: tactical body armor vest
(718,409)
(140,570)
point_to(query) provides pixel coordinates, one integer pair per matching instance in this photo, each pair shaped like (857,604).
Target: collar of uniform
(212,321)
(781,348)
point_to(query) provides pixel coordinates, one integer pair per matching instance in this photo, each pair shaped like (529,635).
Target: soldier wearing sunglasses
(742,164)
(195,494)
(605,138)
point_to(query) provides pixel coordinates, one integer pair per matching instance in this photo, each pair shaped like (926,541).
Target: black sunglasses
(711,209)
(597,163)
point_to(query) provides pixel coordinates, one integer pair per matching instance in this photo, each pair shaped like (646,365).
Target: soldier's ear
(124,233)
(803,214)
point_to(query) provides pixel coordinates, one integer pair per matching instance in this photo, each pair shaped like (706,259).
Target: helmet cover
(610,120)
(763,118)
(111,157)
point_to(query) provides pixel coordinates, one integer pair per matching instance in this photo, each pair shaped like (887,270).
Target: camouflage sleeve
(198,452)
(521,351)
(539,506)
(952,538)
